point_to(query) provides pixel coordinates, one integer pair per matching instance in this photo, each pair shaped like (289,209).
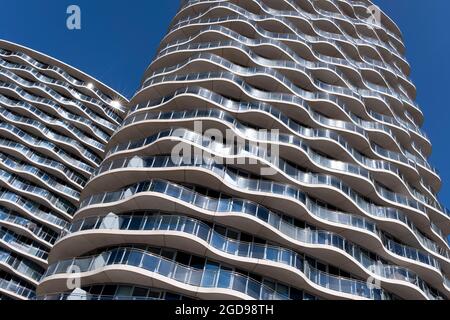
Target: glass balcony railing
(268,67)
(208,279)
(304,39)
(40,161)
(229,105)
(245,132)
(285,15)
(79,97)
(230,205)
(299,12)
(49,134)
(17,289)
(13,240)
(17,166)
(61,72)
(51,105)
(59,99)
(31,208)
(22,186)
(212,238)
(20,266)
(47,145)
(44,117)
(10,217)
(194,78)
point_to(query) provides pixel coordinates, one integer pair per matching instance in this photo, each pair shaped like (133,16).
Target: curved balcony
(322,36)
(101,201)
(411,203)
(40,195)
(57,168)
(61,73)
(387,22)
(14,242)
(31,209)
(257,109)
(54,128)
(13,220)
(297,39)
(176,230)
(100,107)
(51,107)
(16,290)
(307,17)
(149,267)
(232,83)
(114,292)
(51,94)
(130,171)
(43,132)
(238,44)
(342,222)
(45,146)
(53,121)
(20,267)
(39,177)
(378,92)
(289,73)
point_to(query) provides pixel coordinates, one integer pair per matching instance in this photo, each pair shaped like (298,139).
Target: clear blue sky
(119,38)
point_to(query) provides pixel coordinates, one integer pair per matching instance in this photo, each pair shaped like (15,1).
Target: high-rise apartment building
(54,124)
(273,151)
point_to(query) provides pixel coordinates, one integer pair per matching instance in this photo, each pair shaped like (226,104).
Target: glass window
(189,226)
(333,270)
(150,223)
(95,290)
(169,254)
(239,283)
(165,223)
(143,187)
(186,195)
(183,258)
(173,191)
(135,223)
(258,251)
(253,289)
(197,262)
(282,289)
(181,273)
(244,249)
(307,296)
(263,214)
(224,205)
(296,294)
(124,223)
(154,294)
(150,263)
(109,290)
(134,259)
(321,267)
(172,296)
(237,206)
(224,278)
(140,292)
(124,259)
(218,241)
(203,231)
(272,253)
(221,230)
(124,291)
(166,268)
(210,274)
